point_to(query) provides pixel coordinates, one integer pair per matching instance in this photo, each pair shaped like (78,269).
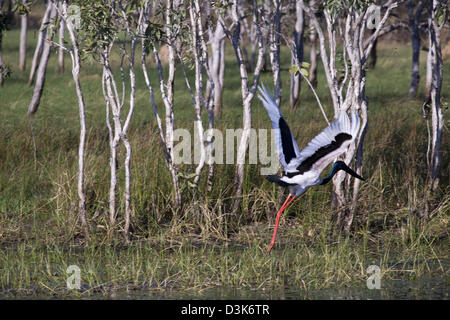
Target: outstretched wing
(329,144)
(287,147)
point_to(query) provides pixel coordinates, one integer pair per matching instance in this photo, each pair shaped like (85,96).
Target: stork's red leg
(283,207)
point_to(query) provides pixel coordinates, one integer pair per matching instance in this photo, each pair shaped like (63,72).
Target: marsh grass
(202,245)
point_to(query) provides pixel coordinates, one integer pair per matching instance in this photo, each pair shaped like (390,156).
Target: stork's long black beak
(350,171)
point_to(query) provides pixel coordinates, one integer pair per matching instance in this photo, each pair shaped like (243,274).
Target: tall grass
(203,245)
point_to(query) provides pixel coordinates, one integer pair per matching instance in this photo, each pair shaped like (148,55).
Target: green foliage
(154,36)
(221,6)
(5,71)
(303,69)
(98,26)
(339,8)
(442,12)
(22,7)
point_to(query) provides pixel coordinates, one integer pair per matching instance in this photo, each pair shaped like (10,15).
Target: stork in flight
(302,168)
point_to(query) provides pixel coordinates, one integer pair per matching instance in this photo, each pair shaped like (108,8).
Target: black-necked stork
(302,168)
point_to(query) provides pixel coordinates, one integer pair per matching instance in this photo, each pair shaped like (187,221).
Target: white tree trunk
(248,91)
(198,125)
(415,44)
(42,69)
(428,76)
(23,42)
(40,42)
(312,49)
(297,58)
(167,97)
(437,119)
(217,62)
(274,47)
(75,55)
(61,51)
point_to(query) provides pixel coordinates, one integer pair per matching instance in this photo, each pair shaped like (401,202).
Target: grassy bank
(203,246)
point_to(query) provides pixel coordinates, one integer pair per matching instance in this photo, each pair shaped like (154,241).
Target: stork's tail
(278,181)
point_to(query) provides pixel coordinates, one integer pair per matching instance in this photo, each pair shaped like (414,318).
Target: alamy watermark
(223,145)
(74,16)
(374,16)
(74,280)
(374,280)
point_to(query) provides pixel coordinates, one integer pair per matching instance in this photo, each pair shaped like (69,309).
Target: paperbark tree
(76,65)
(42,68)
(428,75)
(313,53)
(274,21)
(355,18)
(42,35)
(217,63)
(201,64)
(23,11)
(437,12)
(414,19)
(248,89)
(62,27)
(297,58)
(167,87)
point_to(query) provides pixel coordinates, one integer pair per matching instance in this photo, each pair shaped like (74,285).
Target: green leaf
(305,64)
(304,72)
(293,69)
(192,185)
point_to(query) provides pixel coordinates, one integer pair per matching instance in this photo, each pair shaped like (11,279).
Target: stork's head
(339,165)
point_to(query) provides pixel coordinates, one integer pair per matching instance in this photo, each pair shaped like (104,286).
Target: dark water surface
(434,288)
(427,288)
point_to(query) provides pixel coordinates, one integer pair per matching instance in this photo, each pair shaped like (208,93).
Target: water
(435,288)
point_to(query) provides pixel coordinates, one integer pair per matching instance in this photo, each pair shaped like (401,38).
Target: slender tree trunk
(429,73)
(248,92)
(415,44)
(208,102)
(169,160)
(312,50)
(114,137)
(171,5)
(274,48)
(298,56)
(42,69)
(43,31)
(167,97)
(75,55)
(437,119)
(217,62)
(118,133)
(23,42)
(373,54)
(61,51)
(197,97)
